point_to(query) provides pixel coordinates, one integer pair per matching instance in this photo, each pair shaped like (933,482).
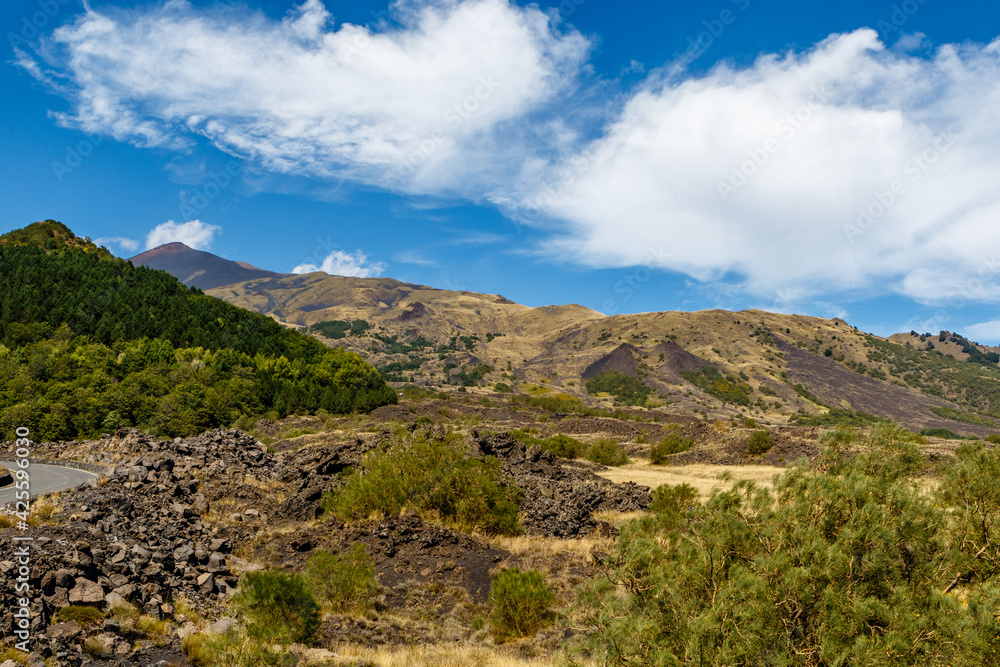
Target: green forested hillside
(90,342)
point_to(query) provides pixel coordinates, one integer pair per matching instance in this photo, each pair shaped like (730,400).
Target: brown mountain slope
(553,350)
(196,268)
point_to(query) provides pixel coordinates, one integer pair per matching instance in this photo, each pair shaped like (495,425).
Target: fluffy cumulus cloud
(842,168)
(339,263)
(194,234)
(418,108)
(846,167)
(122,242)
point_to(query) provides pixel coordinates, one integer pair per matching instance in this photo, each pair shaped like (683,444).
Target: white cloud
(194,234)
(419,108)
(340,263)
(413,257)
(985,333)
(754,178)
(121,241)
(757,176)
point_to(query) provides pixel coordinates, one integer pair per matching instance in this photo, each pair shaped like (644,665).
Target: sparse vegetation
(626,390)
(519,603)
(85,615)
(674,443)
(342,581)
(759,442)
(722,386)
(607,452)
(432,475)
(277,607)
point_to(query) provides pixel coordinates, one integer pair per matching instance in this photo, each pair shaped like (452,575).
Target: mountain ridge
(778,368)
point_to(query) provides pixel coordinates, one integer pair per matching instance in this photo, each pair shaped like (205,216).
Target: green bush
(627,390)
(519,603)
(503,388)
(229,649)
(563,446)
(993,438)
(842,435)
(670,502)
(82,614)
(722,386)
(342,581)
(848,560)
(607,452)
(434,475)
(672,444)
(945,433)
(277,607)
(759,442)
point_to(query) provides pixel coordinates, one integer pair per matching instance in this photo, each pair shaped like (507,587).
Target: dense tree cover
(847,561)
(626,389)
(89,342)
(67,386)
(109,300)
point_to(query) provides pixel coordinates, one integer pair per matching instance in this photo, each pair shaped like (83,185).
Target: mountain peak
(50,235)
(197,268)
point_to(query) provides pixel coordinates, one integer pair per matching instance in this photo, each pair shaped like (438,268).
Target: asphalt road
(45,479)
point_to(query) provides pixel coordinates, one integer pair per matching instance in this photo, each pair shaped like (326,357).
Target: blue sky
(831,159)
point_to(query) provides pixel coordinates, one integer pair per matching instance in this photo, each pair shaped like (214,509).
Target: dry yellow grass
(436,656)
(550,546)
(704,478)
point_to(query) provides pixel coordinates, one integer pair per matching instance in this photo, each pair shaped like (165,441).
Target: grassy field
(704,478)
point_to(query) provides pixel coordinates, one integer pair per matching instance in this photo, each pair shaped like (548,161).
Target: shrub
(82,614)
(627,390)
(759,442)
(95,647)
(342,581)
(563,446)
(519,603)
(945,433)
(503,388)
(847,558)
(607,452)
(435,476)
(724,387)
(230,649)
(993,438)
(277,607)
(672,444)
(669,502)
(842,435)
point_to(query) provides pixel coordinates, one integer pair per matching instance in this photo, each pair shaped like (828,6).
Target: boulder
(86,592)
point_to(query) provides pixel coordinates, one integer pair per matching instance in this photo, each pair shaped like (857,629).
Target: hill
(196,268)
(91,342)
(778,368)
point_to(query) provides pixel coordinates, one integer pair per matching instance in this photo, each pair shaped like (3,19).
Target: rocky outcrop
(558,501)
